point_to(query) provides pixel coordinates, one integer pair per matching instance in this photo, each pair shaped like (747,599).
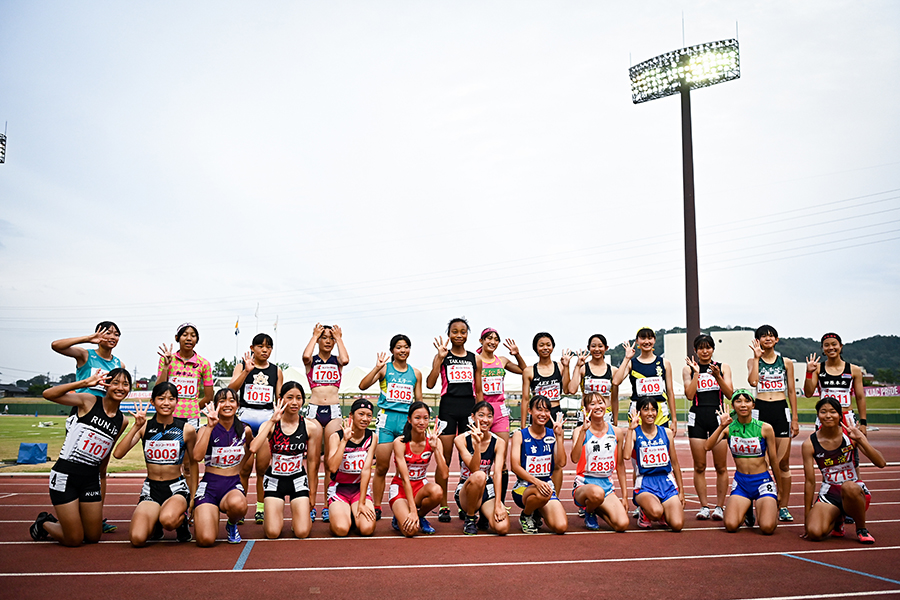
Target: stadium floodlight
(679,72)
(2,148)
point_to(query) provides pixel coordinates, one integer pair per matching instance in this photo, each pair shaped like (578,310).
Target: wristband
(809,374)
(862,422)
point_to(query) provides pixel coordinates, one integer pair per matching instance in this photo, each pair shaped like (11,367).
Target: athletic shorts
(160,491)
(702,421)
(390,425)
(324,413)
(830,493)
(487,495)
(456,417)
(66,487)
(754,487)
(501,417)
(583,480)
(345,492)
(194,422)
(254,417)
(279,486)
(661,486)
(519,491)
(398,491)
(777,414)
(215,487)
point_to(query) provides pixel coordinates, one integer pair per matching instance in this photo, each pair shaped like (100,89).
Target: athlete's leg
(365,525)
(401,511)
(557,478)
(720,461)
(382,461)
(263,457)
(206,524)
(613,512)
(674,513)
(428,498)
(498,527)
(854,501)
(144,519)
(504,483)
(533,500)
(301,523)
(339,517)
(555,516)
(234,504)
(820,521)
(767,514)
(273,522)
(333,425)
(698,454)
(783,448)
(472,492)
(653,508)
(735,510)
(70,530)
(171,513)
(447,445)
(590,496)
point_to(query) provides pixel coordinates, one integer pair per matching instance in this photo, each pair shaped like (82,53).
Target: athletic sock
(260,506)
(504,484)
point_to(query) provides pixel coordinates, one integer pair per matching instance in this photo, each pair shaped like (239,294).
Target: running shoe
(784,515)
(461,515)
(325,515)
(838,530)
(444,514)
(590,521)
(378,514)
(703,515)
(662,520)
(183,532)
(749,519)
(259,517)
(636,513)
(643,522)
(581,512)
(483,523)
(527,523)
(108,527)
(394,524)
(234,536)
(312,515)
(718,514)
(848,520)
(425,526)
(538,519)
(158,532)
(37,530)
(240,521)
(864,536)
(471,526)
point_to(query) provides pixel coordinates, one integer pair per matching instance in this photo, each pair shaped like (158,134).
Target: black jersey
(487,457)
(164,444)
(89,440)
(708,391)
(288,451)
(837,386)
(258,391)
(549,386)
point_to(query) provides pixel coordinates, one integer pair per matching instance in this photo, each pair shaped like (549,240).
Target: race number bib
(283,464)
(399,392)
(653,456)
(539,466)
(187,386)
(707,383)
(325,374)
(549,391)
(91,446)
(493,385)
(599,386)
(600,463)
(650,386)
(162,452)
(504,410)
(745,446)
(839,473)
(460,374)
(842,395)
(417,472)
(228,456)
(771,382)
(258,395)
(353,462)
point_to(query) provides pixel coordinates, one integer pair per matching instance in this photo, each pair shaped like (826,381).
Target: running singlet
(600,384)
(354,459)
(837,386)
(547,386)
(536,455)
(458,376)
(492,377)
(772,378)
(837,465)
(652,456)
(746,441)
(164,444)
(416,464)
(258,391)
(324,372)
(599,455)
(95,363)
(288,451)
(397,389)
(708,392)
(226,446)
(89,440)
(487,457)
(648,380)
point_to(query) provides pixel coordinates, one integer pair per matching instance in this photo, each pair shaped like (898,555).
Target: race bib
(707,383)
(58,481)
(399,392)
(353,462)
(653,456)
(504,410)
(326,374)
(539,466)
(417,472)
(382,420)
(283,464)
(91,446)
(493,385)
(187,386)
(600,463)
(180,486)
(460,373)
(692,419)
(549,391)
(650,386)
(839,473)
(301,484)
(745,446)
(766,488)
(599,386)
(771,382)
(842,395)
(258,395)
(228,456)
(162,452)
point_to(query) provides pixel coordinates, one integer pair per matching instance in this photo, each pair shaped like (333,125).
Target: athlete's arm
(338,444)
(868,449)
(566,376)
(717,436)
(343,357)
(614,403)
(724,380)
(240,373)
(621,433)
(376,374)
(572,388)
(689,377)
(128,441)
(628,450)
(190,440)
(527,376)
(479,391)
(621,373)
(366,474)
(809,477)
(202,443)
(314,430)
(308,351)
(578,442)
(670,393)
(768,434)
(280,380)
(442,470)
(66,395)
(403,471)
(515,459)
(435,371)
(418,389)
(673,457)
(860,392)
(248,441)
(466,457)
(162,370)
(753,371)
(792,397)
(68,347)
(264,433)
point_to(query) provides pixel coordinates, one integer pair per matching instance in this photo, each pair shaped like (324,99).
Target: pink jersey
(354,459)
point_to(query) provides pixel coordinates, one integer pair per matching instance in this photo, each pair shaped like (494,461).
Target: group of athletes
(259,421)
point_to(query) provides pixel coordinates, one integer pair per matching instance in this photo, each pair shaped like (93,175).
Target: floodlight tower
(679,72)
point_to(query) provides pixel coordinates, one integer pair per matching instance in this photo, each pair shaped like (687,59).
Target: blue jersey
(536,454)
(94,364)
(397,389)
(164,444)
(652,456)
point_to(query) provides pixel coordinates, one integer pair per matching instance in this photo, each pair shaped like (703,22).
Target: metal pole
(691,284)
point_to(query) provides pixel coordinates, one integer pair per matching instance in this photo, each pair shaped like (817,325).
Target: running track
(701,562)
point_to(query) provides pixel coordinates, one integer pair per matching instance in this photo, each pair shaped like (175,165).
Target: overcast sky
(389,165)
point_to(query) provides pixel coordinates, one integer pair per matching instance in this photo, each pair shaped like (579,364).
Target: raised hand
(317,330)
(433,433)
(854,432)
(558,425)
(477,435)
(212,415)
(442,347)
(714,370)
(757,349)
(695,368)
(724,416)
(139,414)
(336,332)
(97,379)
(347,427)
(566,357)
(381,359)
(165,354)
(634,420)
(278,410)
(812,363)
(248,360)
(630,349)
(98,336)
(511,346)
(582,357)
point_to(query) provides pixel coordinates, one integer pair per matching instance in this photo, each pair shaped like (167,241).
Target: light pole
(678,72)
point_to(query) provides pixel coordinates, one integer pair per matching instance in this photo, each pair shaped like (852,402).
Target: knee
(339,529)
(366,528)
(302,531)
(502,528)
(478,478)
(380,470)
(676,523)
(170,522)
(205,539)
(271,531)
(851,489)
(700,466)
(768,529)
(138,541)
(596,496)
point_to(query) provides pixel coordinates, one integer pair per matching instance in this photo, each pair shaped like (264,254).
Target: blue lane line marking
(843,569)
(245,554)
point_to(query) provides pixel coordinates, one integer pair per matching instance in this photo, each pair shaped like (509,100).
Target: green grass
(15,430)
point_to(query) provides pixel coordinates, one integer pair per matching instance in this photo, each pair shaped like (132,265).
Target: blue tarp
(32,454)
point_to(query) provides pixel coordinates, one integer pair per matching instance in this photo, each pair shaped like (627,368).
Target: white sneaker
(703,515)
(718,514)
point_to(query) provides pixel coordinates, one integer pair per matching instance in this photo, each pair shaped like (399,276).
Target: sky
(386,166)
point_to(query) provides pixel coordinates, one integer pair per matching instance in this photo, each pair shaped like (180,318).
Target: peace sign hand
(511,346)
(442,347)
(433,433)
(853,431)
(724,416)
(695,368)
(165,354)
(139,414)
(97,379)
(381,360)
(812,363)
(477,434)
(278,410)
(558,424)
(714,370)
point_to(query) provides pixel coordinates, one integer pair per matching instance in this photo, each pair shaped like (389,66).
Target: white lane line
(535,563)
(841,595)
